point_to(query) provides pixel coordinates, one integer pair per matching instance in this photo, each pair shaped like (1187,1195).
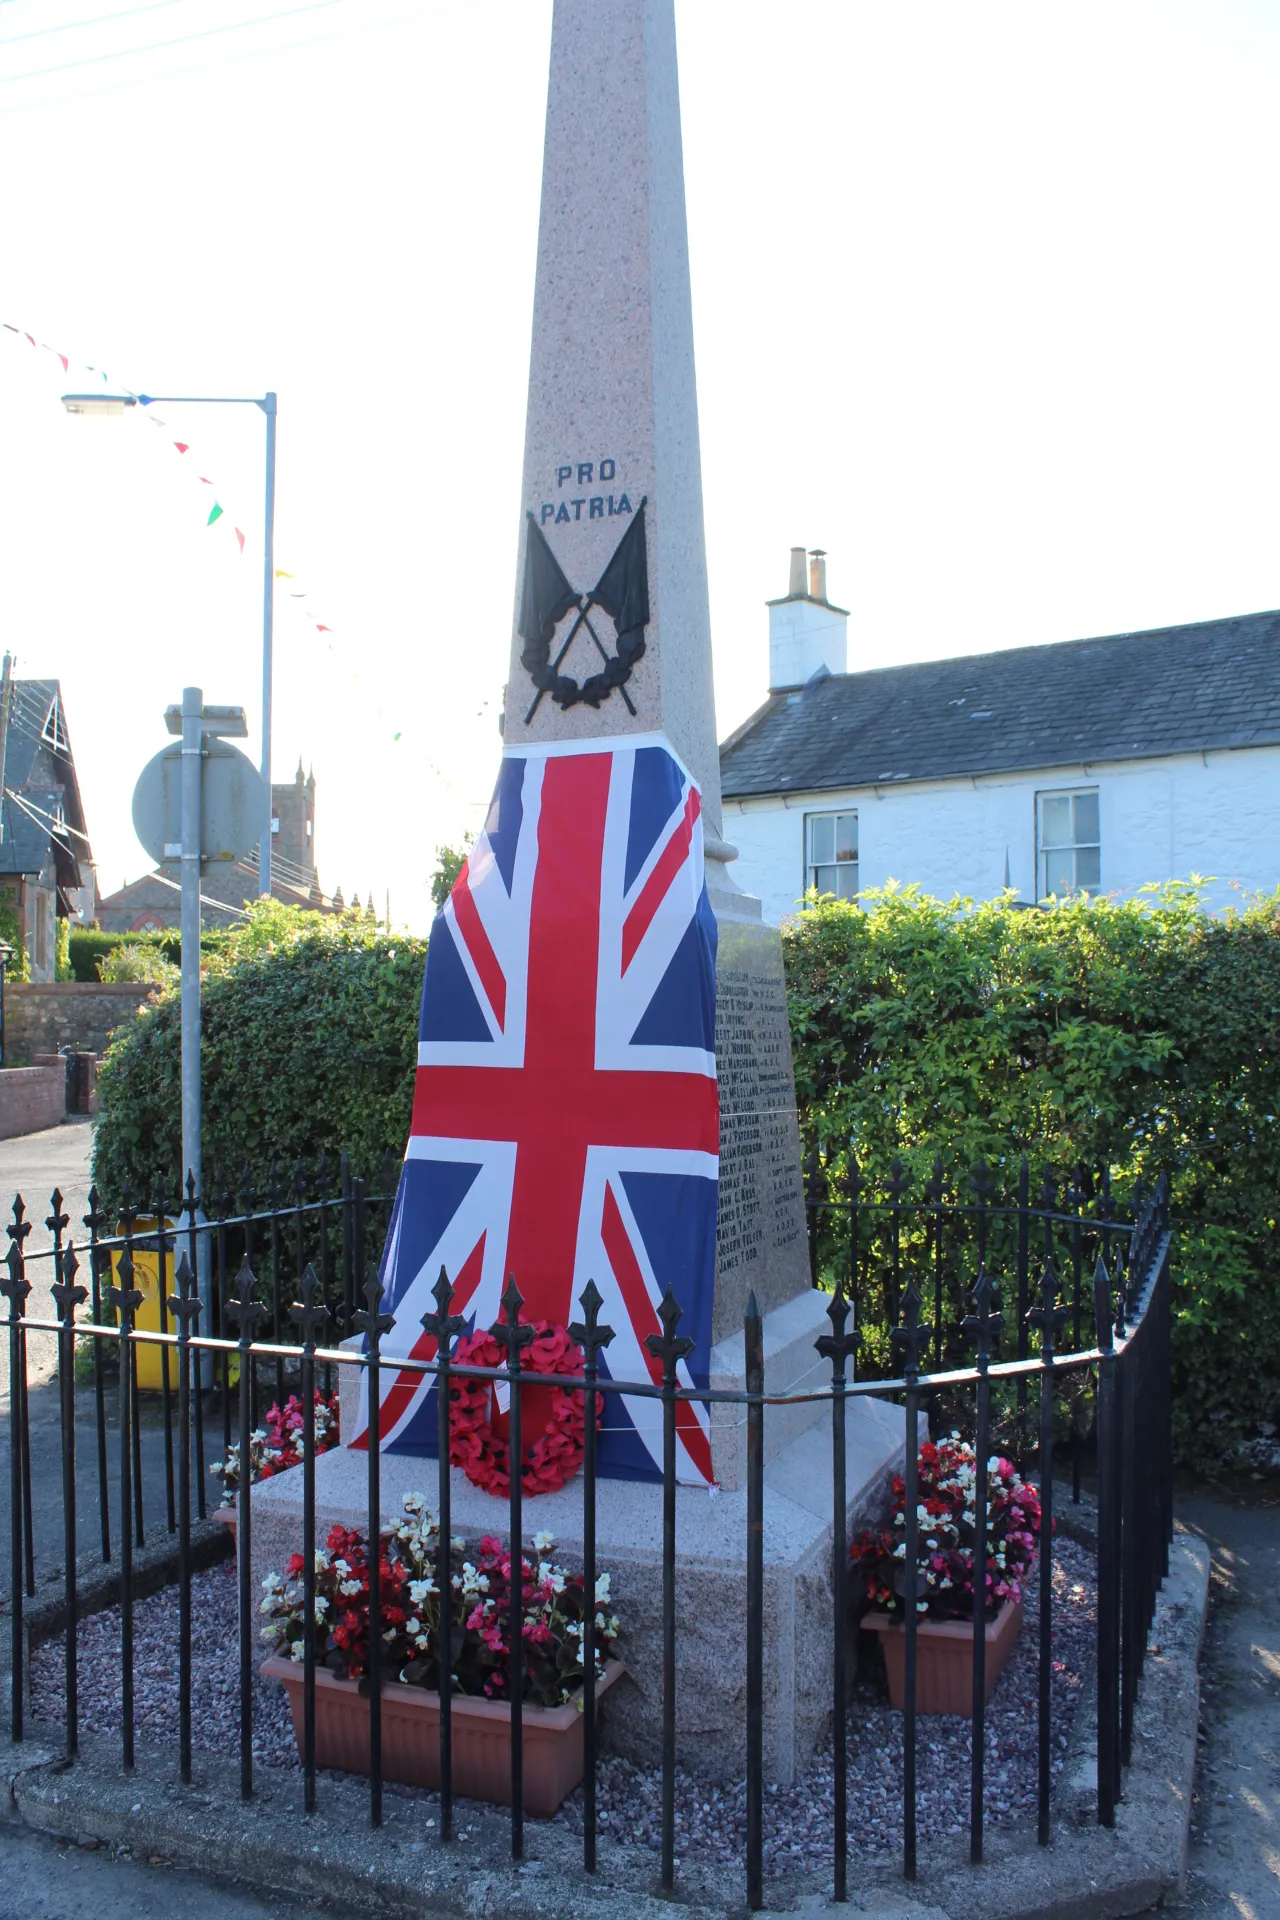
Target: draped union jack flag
(566,1123)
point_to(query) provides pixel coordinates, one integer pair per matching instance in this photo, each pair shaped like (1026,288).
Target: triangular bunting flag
(216,514)
(240,538)
(182,446)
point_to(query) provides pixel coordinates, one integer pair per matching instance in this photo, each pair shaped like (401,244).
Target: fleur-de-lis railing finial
(984,1323)
(669,1346)
(126,1298)
(309,1312)
(936,1185)
(905,1337)
(241,1306)
(1103,1310)
(95,1219)
(128,1212)
(841,1343)
(442,1324)
(588,1332)
(58,1222)
(370,1319)
(19,1227)
(67,1295)
(510,1331)
(15,1286)
(899,1181)
(1048,1316)
(184,1305)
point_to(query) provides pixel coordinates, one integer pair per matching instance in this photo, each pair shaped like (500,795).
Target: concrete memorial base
(711,1532)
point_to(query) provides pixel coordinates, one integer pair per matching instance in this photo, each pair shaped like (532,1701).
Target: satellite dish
(234,803)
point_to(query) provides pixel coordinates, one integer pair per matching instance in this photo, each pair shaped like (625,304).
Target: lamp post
(115,404)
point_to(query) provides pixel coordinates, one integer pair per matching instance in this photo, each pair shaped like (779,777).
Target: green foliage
(62,950)
(89,945)
(1134,1036)
(138,960)
(449,864)
(309,1042)
(17,966)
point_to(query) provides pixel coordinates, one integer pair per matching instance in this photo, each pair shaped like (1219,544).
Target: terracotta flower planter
(944,1657)
(553,1760)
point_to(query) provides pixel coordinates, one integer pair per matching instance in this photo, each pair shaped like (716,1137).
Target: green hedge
(310,1028)
(87,945)
(1134,1037)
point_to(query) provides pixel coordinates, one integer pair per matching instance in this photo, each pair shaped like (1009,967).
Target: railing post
(514,1334)
(126,1299)
(95,1220)
(68,1296)
(310,1313)
(247,1312)
(839,1346)
(191,1207)
(907,1338)
(444,1326)
(166,1392)
(1108,1553)
(373,1323)
(185,1307)
(983,1328)
(1048,1318)
(670,1349)
(15,1288)
(590,1336)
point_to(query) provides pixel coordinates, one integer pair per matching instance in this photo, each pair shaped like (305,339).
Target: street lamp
(113,405)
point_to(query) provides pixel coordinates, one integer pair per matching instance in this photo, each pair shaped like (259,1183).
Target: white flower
(483,1583)
(322,1606)
(297,1653)
(544,1570)
(413,1626)
(341,1567)
(267,1606)
(271,1583)
(423,1641)
(459,1540)
(544,1541)
(322,1560)
(414,1503)
(419,1589)
(602,1586)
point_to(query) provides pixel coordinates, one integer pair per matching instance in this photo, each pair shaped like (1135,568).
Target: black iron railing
(1121,1300)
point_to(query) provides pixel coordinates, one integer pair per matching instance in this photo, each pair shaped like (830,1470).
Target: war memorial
(610,694)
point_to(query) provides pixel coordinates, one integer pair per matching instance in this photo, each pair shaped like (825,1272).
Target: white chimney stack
(807,635)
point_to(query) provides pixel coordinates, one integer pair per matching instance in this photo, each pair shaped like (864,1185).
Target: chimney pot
(796,586)
(818,574)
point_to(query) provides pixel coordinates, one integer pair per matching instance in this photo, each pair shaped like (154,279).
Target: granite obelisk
(611,431)
(606,650)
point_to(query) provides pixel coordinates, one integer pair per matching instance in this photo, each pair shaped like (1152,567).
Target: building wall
(1215,815)
(41,1018)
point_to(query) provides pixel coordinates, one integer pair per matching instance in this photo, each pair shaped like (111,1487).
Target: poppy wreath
(556,1455)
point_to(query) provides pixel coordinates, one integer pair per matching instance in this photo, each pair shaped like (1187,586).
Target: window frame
(812,866)
(1074,846)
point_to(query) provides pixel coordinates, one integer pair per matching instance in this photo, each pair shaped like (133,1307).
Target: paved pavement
(1235,1847)
(34,1166)
(43,1879)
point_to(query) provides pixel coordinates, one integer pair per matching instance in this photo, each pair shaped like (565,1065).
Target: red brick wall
(31,1098)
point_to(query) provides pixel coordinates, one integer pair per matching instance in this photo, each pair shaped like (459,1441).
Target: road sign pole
(192,751)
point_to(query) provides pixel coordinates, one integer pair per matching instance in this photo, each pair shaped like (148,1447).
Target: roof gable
(1126,696)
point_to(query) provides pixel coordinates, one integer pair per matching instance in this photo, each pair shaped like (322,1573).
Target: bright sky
(985,301)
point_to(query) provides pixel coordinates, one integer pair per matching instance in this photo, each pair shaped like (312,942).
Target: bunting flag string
(217,512)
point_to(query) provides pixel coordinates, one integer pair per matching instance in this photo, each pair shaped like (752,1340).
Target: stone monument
(612,435)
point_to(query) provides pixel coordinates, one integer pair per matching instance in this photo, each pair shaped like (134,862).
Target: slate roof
(44,775)
(1129,696)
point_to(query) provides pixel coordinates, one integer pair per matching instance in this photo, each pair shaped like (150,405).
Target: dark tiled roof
(45,775)
(1129,696)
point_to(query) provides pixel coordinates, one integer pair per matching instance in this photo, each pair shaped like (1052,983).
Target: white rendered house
(1097,765)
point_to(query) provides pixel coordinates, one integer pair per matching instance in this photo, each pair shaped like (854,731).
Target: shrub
(309,1042)
(1128,1036)
(17,966)
(87,945)
(131,960)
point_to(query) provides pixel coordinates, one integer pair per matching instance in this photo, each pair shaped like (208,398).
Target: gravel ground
(710,1821)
